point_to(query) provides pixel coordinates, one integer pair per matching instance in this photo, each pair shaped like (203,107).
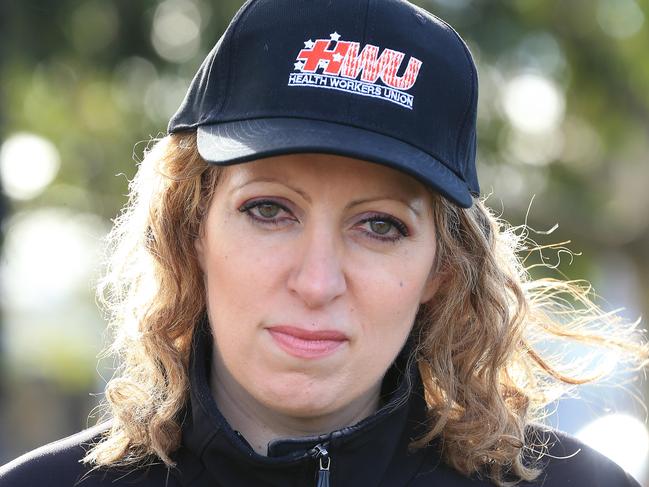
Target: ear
(432,285)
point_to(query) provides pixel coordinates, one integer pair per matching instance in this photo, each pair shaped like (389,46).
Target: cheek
(394,286)
(388,300)
(243,278)
(391,291)
(232,258)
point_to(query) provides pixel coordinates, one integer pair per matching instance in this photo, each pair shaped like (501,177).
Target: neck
(260,425)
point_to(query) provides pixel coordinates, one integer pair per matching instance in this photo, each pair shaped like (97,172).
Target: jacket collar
(212,450)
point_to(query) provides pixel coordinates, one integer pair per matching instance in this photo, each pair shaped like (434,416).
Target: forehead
(325,169)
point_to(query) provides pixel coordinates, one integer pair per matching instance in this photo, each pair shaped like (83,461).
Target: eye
(381,227)
(266,212)
(384,228)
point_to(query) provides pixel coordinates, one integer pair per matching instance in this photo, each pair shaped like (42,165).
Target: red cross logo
(347,60)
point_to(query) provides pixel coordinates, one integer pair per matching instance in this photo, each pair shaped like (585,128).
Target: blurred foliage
(96,78)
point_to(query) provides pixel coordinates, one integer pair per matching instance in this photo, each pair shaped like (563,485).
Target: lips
(307,344)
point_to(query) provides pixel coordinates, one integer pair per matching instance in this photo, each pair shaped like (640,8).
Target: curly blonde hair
(478,340)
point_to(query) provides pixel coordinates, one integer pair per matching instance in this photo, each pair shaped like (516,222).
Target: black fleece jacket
(371,453)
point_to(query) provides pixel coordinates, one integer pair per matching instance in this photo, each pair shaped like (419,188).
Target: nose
(318,276)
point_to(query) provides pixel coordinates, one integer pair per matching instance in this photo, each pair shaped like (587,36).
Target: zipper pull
(320,453)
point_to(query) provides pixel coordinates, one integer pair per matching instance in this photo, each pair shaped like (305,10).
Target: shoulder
(565,460)
(56,463)
(59,464)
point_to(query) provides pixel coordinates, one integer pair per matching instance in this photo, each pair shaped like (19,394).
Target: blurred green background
(84,85)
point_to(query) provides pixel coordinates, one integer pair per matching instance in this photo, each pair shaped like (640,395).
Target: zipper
(320,454)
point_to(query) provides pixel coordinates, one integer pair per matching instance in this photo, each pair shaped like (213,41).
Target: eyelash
(250,205)
(397,224)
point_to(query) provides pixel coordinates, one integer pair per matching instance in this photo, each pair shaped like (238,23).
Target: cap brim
(246,140)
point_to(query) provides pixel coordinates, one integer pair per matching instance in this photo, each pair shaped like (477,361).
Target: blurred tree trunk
(4,13)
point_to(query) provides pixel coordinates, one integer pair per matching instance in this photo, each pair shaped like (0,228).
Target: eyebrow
(353,203)
(379,198)
(274,180)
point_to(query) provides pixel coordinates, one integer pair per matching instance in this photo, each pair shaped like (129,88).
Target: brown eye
(380,227)
(268,210)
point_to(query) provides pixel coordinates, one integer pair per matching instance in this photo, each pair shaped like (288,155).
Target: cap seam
(209,70)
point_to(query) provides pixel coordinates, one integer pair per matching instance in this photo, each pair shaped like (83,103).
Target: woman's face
(315,266)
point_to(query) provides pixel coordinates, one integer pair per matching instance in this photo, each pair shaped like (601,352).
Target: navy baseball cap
(379,80)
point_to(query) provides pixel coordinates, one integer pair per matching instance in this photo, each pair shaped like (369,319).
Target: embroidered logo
(336,64)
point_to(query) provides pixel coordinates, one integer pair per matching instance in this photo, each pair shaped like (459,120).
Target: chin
(301,400)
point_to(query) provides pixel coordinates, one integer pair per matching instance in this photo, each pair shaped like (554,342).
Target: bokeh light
(49,255)
(131,78)
(533,103)
(539,52)
(51,326)
(583,146)
(622,438)
(537,149)
(28,163)
(176,32)
(163,97)
(620,18)
(93,26)
(96,108)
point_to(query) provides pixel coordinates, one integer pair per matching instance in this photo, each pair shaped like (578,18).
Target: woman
(307,290)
